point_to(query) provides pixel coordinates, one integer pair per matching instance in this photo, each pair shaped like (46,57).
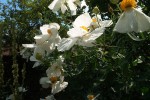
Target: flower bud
(96,10)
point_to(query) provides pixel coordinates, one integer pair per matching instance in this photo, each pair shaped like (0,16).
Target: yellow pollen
(49,32)
(53,79)
(94,20)
(125,4)
(85,28)
(90,97)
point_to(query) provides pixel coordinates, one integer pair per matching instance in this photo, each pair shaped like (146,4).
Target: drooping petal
(126,23)
(143,21)
(132,20)
(66,44)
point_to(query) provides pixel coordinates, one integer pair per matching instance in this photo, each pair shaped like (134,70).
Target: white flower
(61,4)
(132,19)
(56,69)
(86,30)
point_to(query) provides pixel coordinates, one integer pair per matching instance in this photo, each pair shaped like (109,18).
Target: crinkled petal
(58,86)
(95,34)
(66,44)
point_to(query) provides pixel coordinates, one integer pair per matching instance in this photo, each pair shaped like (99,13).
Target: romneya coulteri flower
(54,77)
(132,19)
(45,43)
(84,32)
(61,4)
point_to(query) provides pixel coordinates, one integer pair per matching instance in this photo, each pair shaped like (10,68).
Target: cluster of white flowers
(55,77)
(85,31)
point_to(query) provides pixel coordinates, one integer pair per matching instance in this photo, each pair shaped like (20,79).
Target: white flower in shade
(49,38)
(62,4)
(56,69)
(86,30)
(38,55)
(25,53)
(132,19)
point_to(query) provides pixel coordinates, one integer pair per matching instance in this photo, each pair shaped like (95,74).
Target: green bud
(96,10)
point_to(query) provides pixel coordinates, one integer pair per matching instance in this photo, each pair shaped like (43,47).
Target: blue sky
(3,1)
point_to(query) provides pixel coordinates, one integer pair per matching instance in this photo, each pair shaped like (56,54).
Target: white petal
(40,39)
(32,58)
(44,82)
(86,44)
(106,23)
(28,45)
(143,21)
(58,86)
(95,34)
(39,49)
(51,97)
(55,5)
(132,20)
(66,44)
(54,25)
(82,20)
(72,7)
(76,32)
(63,8)
(36,64)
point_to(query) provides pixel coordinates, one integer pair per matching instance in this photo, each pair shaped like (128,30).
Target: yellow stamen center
(90,97)
(49,32)
(94,20)
(53,79)
(85,28)
(126,4)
